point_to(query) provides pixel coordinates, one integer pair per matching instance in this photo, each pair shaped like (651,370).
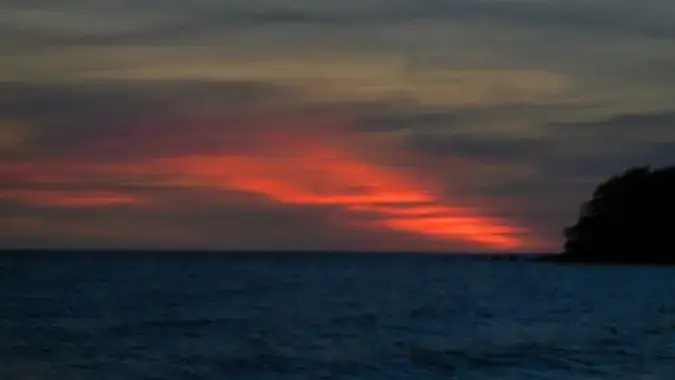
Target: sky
(369,125)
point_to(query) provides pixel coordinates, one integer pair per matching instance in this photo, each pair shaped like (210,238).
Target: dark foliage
(628,220)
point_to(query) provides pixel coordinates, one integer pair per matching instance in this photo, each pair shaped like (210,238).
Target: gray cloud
(624,127)
(181,19)
(495,150)
(493,33)
(602,147)
(69,118)
(393,120)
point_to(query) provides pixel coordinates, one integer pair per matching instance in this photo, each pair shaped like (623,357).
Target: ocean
(91,315)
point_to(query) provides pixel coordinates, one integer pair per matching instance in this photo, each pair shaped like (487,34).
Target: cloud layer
(369,125)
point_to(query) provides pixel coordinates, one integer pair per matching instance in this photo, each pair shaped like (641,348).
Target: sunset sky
(415,125)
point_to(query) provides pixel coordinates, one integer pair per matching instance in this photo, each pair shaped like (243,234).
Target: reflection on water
(331,316)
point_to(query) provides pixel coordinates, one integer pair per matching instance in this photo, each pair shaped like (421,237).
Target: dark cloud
(488,149)
(393,120)
(174,22)
(70,118)
(106,98)
(619,17)
(614,143)
(597,167)
(621,126)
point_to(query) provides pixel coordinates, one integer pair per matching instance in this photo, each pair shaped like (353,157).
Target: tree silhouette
(629,220)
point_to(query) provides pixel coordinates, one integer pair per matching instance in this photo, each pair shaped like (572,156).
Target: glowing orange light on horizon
(311,169)
(321,175)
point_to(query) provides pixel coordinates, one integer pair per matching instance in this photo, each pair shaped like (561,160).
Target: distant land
(629,220)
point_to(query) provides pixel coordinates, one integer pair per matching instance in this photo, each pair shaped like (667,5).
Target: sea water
(330,316)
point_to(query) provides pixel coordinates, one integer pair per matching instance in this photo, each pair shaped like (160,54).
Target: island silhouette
(629,220)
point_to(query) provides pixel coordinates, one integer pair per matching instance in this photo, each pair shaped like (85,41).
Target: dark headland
(629,220)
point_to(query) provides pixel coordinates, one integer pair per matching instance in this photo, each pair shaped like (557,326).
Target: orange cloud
(311,169)
(70,198)
(292,160)
(345,182)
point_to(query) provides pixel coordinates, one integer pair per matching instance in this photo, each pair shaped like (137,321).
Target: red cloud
(290,159)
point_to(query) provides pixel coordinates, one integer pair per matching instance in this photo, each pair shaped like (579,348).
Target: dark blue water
(331,317)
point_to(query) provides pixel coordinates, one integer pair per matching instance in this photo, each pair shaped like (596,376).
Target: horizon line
(262,251)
